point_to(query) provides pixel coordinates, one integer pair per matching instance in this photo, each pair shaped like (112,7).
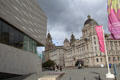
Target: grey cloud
(70,15)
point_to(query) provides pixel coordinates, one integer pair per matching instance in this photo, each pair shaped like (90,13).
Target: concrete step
(52,76)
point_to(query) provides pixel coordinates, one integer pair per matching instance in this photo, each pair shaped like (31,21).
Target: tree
(48,64)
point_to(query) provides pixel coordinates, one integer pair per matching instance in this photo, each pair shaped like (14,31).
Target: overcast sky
(67,16)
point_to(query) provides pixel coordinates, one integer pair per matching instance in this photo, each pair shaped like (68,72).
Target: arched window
(97,60)
(101,59)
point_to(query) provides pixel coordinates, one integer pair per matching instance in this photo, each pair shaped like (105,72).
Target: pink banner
(114,18)
(100,35)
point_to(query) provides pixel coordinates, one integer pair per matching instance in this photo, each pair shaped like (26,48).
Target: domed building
(87,50)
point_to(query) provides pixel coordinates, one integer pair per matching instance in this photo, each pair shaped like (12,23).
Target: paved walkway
(88,74)
(51,75)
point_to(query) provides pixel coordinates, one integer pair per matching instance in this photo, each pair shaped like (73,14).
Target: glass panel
(4,33)
(0,29)
(31,45)
(35,47)
(20,38)
(11,36)
(26,43)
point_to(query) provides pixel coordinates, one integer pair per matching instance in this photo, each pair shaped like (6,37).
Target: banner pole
(108,75)
(107,61)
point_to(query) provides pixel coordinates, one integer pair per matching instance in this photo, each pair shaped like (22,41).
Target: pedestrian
(60,68)
(110,65)
(56,68)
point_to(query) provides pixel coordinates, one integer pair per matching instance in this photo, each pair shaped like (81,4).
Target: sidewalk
(51,75)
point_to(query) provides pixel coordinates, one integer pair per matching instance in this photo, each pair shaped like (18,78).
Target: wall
(27,16)
(15,61)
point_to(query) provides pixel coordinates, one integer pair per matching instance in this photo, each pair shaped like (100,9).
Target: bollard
(99,78)
(84,78)
(115,71)
(115,78)
(70,78)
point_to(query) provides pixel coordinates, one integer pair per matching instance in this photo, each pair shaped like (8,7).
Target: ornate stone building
(48,46)
(87,48)
(49,43)
(52,52)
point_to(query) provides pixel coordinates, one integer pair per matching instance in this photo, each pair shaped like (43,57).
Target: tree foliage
(48,63)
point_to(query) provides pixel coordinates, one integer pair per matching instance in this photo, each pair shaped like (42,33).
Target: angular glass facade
(13,37)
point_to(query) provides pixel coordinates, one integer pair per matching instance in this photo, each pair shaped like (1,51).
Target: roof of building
(72,39)
(49,36)
(90,21)
(53,49)
(66,40)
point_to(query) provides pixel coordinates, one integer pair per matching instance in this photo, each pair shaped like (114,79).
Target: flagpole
(108,75)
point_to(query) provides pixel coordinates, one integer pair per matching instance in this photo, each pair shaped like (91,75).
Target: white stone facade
(87,48)
(56,55)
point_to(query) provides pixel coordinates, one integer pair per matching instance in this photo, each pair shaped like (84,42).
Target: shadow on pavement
(95,73)
(98,77)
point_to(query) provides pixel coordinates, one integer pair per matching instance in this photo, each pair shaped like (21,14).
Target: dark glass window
(19,39)
(13,37)
(4,33)
(0,29)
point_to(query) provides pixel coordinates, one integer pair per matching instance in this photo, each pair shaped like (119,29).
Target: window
(109,58)
(101,59)
(111,43)
(114,59)
(94,38)
(94,42)
(95,48)
(115,42)
(97,60)
(4,33)
(0,29)
(13,37)
(118,58)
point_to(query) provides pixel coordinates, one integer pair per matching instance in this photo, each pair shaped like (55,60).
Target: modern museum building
(23,26)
